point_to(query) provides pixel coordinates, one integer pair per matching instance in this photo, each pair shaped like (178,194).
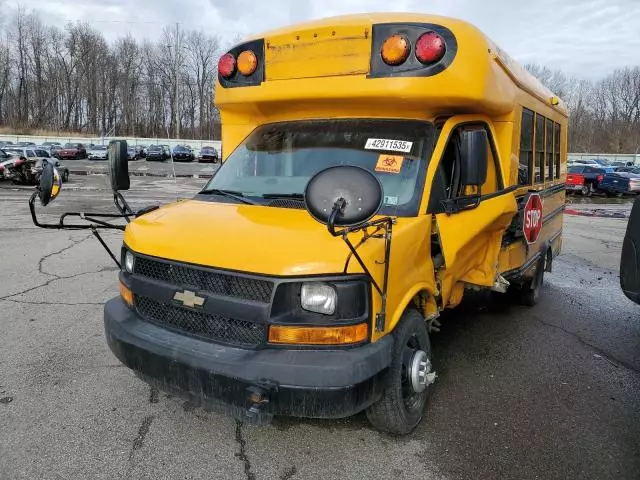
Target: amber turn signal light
(342,335)
(247,63)
(395,50)
(126,294)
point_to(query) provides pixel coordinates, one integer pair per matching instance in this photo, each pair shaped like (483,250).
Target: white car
(97,152)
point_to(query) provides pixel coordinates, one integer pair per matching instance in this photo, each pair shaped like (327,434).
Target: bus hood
(248,238)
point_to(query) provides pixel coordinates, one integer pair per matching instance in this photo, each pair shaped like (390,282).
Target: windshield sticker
(390,145)
(391,200)
(389,163)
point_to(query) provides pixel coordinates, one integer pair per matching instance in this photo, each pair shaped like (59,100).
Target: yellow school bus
(375,168)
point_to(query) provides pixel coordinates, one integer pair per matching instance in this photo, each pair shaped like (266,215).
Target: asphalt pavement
(549,392)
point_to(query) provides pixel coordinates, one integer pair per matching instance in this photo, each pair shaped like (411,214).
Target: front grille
(201,324)
(205,280)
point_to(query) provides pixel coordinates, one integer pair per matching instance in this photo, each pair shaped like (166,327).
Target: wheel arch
(421,296)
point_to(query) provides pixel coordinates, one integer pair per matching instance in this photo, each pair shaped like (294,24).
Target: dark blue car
(620,183)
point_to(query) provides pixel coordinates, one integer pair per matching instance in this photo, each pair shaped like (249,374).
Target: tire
(585,191)
(530,293)
(65,176)
(400,409)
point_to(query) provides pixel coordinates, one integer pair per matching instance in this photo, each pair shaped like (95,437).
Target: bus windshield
(279,159)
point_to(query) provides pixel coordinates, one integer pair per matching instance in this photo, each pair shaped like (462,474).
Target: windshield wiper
(297,196)
(239,196)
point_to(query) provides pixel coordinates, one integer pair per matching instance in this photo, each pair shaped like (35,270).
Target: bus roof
(495,75)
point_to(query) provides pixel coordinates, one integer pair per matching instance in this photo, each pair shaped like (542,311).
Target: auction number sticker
(387,144)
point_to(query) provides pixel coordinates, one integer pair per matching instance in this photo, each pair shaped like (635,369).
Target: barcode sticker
(389,145)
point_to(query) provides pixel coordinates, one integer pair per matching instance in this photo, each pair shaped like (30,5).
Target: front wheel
(410,374)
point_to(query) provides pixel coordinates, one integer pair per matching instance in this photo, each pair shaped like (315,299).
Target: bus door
(470,206)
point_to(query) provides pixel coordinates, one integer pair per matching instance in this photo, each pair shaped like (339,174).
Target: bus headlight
(318,297)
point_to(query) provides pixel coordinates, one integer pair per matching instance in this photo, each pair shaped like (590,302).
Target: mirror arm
(386,224)
(122,206)
(88,217)
(94,230)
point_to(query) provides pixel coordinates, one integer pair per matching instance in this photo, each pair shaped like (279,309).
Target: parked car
(4,157)
(132,153)
(72,151)
(25,144)
(593,176)
(208,154)
(584,162)
(156,153)
(98,152)
(5,143)
(182,153)
(576,183)
(618,183)
(622,164)
(141,151)
(631,169)
(12,155)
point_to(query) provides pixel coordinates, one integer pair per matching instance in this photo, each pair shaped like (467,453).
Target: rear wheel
(585,191)
(404,399)
(65,176)
(529,294)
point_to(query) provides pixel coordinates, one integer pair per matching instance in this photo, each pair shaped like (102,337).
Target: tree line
(72,80)
(604,114)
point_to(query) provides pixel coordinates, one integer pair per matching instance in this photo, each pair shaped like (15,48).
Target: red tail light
(600,178)
(226,65)
(430,48)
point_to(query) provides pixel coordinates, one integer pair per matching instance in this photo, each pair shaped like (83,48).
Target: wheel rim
(416,373)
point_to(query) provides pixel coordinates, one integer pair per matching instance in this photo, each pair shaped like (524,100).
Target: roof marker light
(430,48)
(395,50)
(226,65)
(247,63)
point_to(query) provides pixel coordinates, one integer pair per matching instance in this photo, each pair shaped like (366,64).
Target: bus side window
(526,148)
(447,178)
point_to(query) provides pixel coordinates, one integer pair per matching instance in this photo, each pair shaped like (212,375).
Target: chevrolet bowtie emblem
(189,298)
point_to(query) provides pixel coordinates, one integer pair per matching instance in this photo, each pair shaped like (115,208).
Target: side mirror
(118,165)
(630,259)
(343,196)
(50,183)
(474,154)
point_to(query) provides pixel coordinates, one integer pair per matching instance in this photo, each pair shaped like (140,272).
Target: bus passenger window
(556,148)
(526,148)
(549,149)
(539,144)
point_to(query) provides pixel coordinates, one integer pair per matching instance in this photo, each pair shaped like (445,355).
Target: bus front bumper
(245,383)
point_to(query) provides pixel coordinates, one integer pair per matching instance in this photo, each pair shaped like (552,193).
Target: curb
(596,213)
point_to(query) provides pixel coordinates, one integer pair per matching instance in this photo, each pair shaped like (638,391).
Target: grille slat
(201,324)
(204,280)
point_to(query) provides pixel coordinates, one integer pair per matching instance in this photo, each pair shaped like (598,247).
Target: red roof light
(226,65)
(430,48)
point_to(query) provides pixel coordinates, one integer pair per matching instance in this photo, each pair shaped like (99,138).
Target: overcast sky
(587,38)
